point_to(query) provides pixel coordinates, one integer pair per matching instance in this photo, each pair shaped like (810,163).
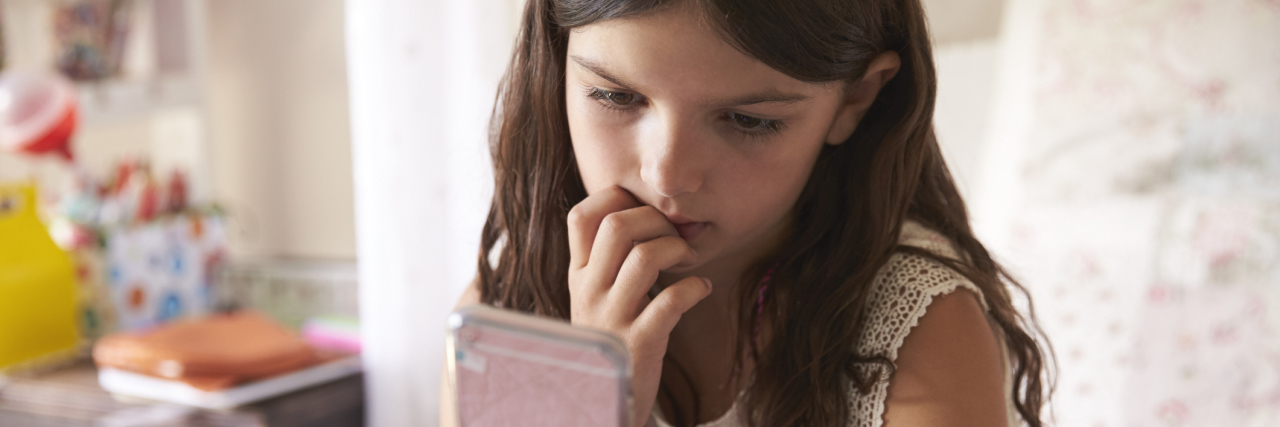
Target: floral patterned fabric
(1146,222)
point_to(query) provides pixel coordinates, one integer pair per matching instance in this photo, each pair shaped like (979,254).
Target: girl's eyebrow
(597,69)
(766,96)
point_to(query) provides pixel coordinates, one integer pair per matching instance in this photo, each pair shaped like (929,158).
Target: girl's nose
(672,162)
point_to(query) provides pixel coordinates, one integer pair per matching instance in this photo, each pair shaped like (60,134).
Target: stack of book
(217,362)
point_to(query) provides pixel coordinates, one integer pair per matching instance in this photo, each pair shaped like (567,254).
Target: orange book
(211,353)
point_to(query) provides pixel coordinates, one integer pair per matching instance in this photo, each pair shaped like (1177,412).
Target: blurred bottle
(37,285)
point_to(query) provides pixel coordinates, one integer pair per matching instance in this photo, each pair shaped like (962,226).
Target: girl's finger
(640,270)
(618,235)
(660,316)
(585,217)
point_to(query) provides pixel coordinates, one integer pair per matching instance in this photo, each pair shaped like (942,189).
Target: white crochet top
(902,291)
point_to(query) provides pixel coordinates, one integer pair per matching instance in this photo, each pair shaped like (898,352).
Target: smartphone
(507,369)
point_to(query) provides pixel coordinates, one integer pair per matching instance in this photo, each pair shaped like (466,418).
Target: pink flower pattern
(1148,228)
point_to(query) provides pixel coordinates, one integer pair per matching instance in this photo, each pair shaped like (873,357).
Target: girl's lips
(691,230)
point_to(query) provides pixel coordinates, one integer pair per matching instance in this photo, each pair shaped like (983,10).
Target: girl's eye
(620,98)
(613,99)
(746,122)
(755,126)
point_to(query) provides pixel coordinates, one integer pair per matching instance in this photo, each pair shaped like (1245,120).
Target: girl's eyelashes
(612,99)
(753,127)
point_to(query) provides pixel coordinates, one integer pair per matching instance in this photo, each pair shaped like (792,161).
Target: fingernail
(708,282)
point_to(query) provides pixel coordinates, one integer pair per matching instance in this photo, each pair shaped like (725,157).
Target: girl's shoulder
(902,292)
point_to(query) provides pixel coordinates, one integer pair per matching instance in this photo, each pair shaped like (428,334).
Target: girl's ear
(858,96)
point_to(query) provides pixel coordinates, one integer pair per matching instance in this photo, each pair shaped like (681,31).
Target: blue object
(170,308)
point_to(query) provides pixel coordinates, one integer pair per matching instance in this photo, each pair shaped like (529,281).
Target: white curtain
(422,77)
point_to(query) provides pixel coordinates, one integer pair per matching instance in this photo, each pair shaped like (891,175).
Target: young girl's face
(719,142)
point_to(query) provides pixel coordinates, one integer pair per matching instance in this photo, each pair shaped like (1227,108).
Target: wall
(965,80)
(278,110)
(957,21)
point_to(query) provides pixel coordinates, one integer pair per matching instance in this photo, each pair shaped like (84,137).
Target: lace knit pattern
(903,289)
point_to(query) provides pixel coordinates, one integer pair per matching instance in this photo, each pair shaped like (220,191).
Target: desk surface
(71,396)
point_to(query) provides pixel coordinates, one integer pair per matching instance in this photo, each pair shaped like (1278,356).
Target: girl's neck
(702,343)
(724,274)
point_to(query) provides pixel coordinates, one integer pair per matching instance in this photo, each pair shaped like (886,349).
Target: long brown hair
(847,219)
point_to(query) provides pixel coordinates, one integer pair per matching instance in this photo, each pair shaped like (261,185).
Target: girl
(751,196)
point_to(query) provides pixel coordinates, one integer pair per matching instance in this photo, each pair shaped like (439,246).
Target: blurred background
(1121,157)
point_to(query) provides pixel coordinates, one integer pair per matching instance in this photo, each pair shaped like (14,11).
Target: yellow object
(37,284)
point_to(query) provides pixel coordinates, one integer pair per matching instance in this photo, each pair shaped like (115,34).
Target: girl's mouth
(691,230)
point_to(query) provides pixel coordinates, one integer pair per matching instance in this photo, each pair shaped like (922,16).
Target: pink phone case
(512,369)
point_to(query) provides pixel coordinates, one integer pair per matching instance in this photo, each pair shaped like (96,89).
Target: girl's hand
(617,246)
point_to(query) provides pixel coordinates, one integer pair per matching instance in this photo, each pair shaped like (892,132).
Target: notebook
(121,382)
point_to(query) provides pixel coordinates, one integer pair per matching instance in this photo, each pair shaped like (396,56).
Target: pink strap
(764,282)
